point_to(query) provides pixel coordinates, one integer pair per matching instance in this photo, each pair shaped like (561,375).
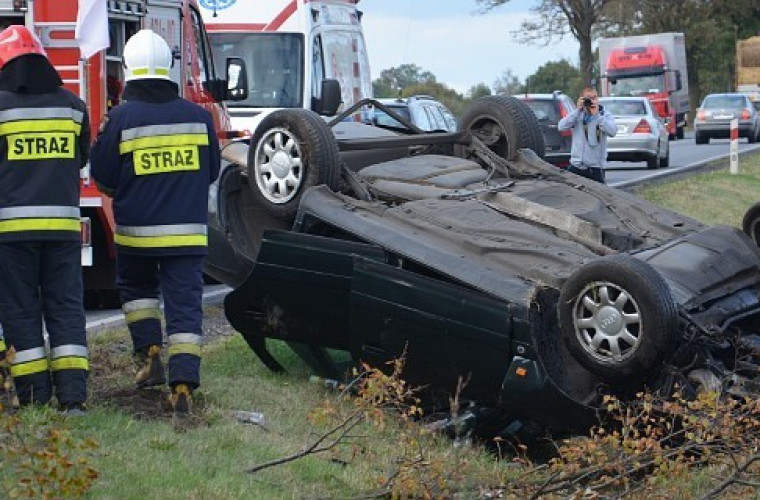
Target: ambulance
(294,50)
(99,81)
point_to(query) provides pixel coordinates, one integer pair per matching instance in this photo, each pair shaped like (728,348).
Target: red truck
(98,80)
(653,66)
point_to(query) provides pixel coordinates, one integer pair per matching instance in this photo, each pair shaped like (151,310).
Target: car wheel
(291,151)
(679,132)
(617,317)
(665,160)
(751,223)
(504,124)
(654,161)
(700,138)
(752,137)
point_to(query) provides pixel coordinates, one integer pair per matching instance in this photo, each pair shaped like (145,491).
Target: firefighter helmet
(16,41)
(147,55)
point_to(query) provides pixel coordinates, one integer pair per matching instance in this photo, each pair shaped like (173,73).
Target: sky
(451,40)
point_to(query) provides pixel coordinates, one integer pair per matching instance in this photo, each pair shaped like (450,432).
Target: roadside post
(734,151)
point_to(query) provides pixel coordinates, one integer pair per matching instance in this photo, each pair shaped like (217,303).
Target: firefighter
(156,154)
(45,142)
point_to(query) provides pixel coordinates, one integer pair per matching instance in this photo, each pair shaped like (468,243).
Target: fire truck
(99,81)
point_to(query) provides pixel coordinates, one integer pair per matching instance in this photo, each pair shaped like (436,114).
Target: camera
(587,102)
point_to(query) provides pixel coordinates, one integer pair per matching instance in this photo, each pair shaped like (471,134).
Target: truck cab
(99,81)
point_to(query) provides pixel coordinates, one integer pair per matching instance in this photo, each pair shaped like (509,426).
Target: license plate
(723,117)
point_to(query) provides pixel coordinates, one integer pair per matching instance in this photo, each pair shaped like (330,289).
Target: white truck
(291,47)
(653,66)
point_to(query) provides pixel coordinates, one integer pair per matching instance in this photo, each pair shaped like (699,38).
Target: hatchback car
(550,109)
(716,112)
(641,134)
(424,112)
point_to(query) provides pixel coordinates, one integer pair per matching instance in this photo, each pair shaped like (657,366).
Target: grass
(714,198)
(141,454)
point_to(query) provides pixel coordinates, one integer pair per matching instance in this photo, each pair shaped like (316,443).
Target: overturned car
(478,260)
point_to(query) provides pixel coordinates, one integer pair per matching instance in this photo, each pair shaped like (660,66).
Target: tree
(394,80)
(558,18)
(555,75)
(478,90)
(507,84)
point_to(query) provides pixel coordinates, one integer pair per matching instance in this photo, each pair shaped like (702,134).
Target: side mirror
(679,83)
(330,101)
(237,80)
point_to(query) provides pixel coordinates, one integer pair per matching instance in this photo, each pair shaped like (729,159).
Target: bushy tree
(478,90)
(555,75)
(394,80)
(507,84)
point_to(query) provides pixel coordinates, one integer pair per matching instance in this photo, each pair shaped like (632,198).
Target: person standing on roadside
(156,154)
(44,142)
(591,125)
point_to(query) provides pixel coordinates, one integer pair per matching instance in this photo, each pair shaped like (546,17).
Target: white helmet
(146,55)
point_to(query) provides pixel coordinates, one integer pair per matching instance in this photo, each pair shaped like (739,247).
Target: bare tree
(555,20)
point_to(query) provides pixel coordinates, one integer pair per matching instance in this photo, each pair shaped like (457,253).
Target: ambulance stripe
(31,126)
(163,141)
(10,115)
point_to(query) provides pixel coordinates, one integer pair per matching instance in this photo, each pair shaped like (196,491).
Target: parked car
(550,109)
(541,289)
(424,112)
(716,112)
(641,134)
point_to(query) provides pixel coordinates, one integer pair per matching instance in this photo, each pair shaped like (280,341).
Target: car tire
(504,124)
(751,223)
(679,133)
(752,137)
(291,150)
(654,161)
(665,160)
(617,317)
(701,138)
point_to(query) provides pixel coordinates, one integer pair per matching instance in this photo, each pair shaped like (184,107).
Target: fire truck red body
(99,81)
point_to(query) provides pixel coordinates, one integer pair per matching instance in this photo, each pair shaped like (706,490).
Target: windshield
(274,62)
(637,86)
(384,119)
(624,107)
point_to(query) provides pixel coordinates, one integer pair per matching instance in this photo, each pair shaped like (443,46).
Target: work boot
(73,409)
(181,400)
(8,398)
(150,372)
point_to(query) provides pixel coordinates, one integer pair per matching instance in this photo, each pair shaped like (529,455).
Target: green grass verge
(717,197)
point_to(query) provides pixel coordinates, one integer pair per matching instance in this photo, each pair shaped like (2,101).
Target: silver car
(641,135)
(716,112)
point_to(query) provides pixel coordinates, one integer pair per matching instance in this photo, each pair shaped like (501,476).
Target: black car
(550,109)
(479,260)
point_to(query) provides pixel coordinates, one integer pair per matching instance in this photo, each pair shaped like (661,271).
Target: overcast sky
(452,41)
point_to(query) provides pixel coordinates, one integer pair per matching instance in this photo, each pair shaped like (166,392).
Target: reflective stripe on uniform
(17,114)
(30,126)
(29,361)
(39,218)
(3,347)
(140,309)
(68,350)
(184,343)
(153,136)
(172,235)
(69,363)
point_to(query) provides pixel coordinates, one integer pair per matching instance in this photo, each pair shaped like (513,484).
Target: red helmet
(18,41)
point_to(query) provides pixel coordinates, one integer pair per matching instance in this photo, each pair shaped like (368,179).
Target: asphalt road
(685,155)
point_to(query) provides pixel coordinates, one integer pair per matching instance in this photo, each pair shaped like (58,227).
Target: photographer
(591,126)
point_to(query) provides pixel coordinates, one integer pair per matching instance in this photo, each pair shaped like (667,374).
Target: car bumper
(723,129)
(631,148)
